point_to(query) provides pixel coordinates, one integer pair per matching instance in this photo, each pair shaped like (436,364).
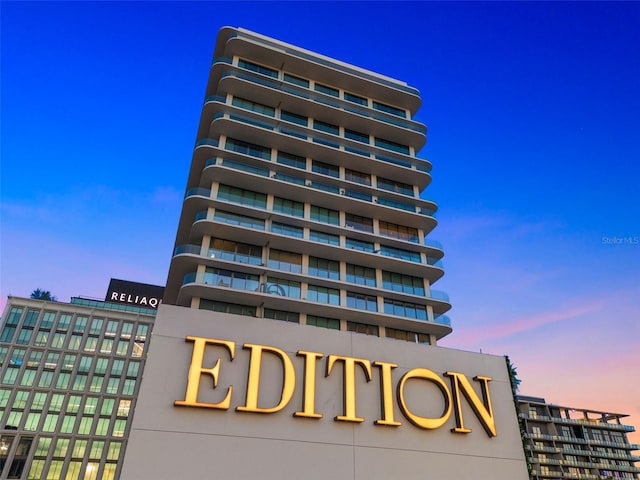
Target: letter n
(482,409)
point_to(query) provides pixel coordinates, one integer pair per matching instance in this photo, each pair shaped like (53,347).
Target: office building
(69,377)
(303,200)
(300,262)
(566,442)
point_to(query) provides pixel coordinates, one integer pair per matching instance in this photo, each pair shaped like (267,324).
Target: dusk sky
(533,112)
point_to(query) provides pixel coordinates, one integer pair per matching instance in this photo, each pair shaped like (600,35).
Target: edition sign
(452,392)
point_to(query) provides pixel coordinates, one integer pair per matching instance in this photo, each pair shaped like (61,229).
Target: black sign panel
(133,293)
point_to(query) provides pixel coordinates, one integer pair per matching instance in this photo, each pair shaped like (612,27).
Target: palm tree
(43,295)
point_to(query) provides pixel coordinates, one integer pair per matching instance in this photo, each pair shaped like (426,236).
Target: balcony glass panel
(400,253)
(240,220)
(235,252)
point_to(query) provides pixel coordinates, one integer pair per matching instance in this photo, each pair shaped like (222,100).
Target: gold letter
(422,422)
(386,394)
(482,410)
(349,390)
(253,380)
(196,371)
(309,395)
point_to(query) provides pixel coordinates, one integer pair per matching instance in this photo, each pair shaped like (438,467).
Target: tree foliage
(39,294)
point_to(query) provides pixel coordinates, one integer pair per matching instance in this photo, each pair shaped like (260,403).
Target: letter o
(418,421)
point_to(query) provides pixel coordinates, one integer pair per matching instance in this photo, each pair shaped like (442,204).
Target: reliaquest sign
(451,388)
(134,293)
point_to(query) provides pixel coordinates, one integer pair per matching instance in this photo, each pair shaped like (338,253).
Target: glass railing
(243,167)
(433,243)
(439,295)
(203,192)
(443,320)
(395,204)
(201,215)
(189,278)
(226,60)
(207,141)
(434,262)
(193,249)
(215,98)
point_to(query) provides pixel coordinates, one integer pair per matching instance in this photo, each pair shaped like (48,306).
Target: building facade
(303,201)
(69,377)
(303,204)
(567,442)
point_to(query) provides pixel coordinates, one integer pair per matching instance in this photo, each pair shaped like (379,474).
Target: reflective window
(362,328)
(325,215)
(355,98)
(253,106)
(254,67)
(241,196)
(322,237)
(324,322)
(282,260)
(393,186)
(400,232)
(282,287)
(296,80)
(361,275)
(328,90)
(321,267)
(363,224)
(326,169)
(358,177)
(403,283)
(292,317)
(362,302)
(326,295)
(288,230)
(405,309)
(293,118)
(288,207)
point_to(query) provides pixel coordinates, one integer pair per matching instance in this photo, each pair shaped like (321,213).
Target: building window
(294,118)
(326,169)
(321,267)
(400,253)
(243,197)
(363,224)
(292,160)
(239,220)
(323,322)
(389,145)
(31,318)
(330,296)
(355,99)
(328,90)
(393,186)
(282,287)
(400,232)
(322,237)
(357,136)
(362,328)
(248,148)
(293,317)
(389,109)
(361,275)
(326,127)
(403,283)
(325,215)
(407,336)
(231,279)
(357,177)
(359,245)
(362,302)
(405,309)
(253,106)
(235,252)
(288,207)
(14,316)
(287,261)
(254,67)
(288,230)
(296,80)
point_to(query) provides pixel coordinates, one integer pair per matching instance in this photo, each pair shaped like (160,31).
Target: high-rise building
(69,377)
(303,202)
(567,442)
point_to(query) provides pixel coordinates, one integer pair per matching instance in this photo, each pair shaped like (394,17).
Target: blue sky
(533,112)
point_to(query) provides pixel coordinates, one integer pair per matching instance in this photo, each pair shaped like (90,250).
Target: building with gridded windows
(69,378)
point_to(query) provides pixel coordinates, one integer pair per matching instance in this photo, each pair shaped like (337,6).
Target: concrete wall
(170,442)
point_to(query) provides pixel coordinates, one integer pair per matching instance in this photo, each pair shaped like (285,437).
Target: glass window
(325,215)
(357,177)
(62,382)
(73,404)
(10,376)
(231,279)
(287,261)
(324,322)
(326,169)
(322,267)
(133,369)
(63,322)
(389,145)
(61,448)
(359,245)
(31,318)
(96,450)
(296,80)
(96,384)
(85,426)
(68,422)
(79,447)
(288,207)
(14,316)
(79,383)
(240,220)
(326,295)
(28,377)
(355,98)
(114,451)
(91,344)
(31,424)
(85,363)
(74,342)
(393,186)
(236,252)
(400,232)
(326,127)
(35,357)
(118,428)
(246,148)
(57,341)
(225,307)
(288,230)
(50,422)
(90,405)
(80,325)
(328,90)
(322,237)
(112,328)
(254,67)
(38,402)
(101,365)
(47,320)
(253,106)
(293,118)
(403,283)
(407,336)
(292,160)
(389,109)
(405,309)
(127,330)
(24,336)
(362,328)
(20,401)
(17,356)
(106,346)
(113,385)
(400,253)
(292,317)
(241,196)
(361,275)
(357,136)
(282,287)
(128,387)
(96,326)
(362,302)
(45,379)
(363,224)
(7,334)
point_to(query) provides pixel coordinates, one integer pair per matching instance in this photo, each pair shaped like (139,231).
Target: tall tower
(303,198)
